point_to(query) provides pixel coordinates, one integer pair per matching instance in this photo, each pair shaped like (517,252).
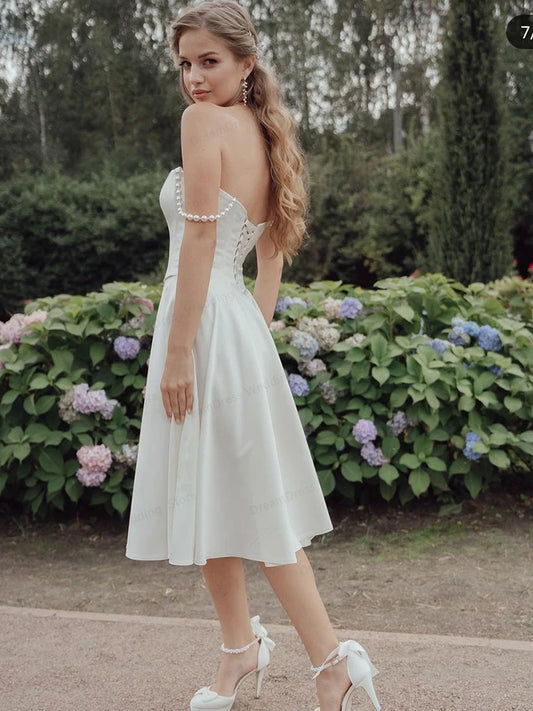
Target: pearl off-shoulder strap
(190,216)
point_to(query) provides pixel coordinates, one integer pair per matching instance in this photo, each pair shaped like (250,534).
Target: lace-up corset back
(236,235)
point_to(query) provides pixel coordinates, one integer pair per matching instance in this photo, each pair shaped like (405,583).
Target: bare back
(245,165)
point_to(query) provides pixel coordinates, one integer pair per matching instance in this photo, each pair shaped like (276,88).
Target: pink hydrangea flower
(96,457)
(88,477)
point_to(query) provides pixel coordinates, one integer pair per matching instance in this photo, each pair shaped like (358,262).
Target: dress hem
(305,541)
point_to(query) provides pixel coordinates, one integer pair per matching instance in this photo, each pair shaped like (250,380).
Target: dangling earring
(244,87)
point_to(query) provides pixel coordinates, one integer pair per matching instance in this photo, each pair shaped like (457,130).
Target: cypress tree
(469,235)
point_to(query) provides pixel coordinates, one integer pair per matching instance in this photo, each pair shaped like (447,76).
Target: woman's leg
(225,581)
(295,587)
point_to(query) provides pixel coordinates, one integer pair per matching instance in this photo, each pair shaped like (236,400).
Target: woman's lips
(199,93)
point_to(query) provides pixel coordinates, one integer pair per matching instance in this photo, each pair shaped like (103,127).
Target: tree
(469,236)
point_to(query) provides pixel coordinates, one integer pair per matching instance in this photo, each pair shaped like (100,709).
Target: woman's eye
(181,64)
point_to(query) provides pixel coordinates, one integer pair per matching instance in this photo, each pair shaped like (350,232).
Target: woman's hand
(176,384)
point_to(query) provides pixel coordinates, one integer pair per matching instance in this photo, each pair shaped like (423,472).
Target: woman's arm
(269,273)
(202,167)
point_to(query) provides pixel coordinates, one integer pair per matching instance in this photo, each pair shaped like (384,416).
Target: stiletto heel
(359,667)
(205,698)
(258,681)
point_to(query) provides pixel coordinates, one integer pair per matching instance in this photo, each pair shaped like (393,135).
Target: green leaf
(405,311)
(97,352)
(411,461)
(21,451)
(306,415)
(325,437)
(351,471)
(390,446)
(436,464)
(439,435)
(461,465)
(513,404)
(10,396)
(56,484)
(63,360)
(466,403)
(388,473)
(120,502)
(419,481)
(431,398)
(327,481)
(37,432)
(51,461)
(39,381)
(387,491)
(473,483)
(380,374)
(74,488)
(499,458)
(45,403)
(398,397)
(379,347)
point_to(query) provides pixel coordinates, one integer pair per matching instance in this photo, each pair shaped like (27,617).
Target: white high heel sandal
(360,670)
(205,698)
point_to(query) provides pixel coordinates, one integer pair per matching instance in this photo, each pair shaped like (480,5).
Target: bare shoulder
(205,119)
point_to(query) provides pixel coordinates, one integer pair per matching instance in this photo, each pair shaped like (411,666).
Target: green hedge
(67,235)
(383,366)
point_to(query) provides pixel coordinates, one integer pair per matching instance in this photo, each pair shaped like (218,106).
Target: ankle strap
(240,649)
(327,663)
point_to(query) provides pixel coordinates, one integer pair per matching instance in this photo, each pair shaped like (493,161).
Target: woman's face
(210,68)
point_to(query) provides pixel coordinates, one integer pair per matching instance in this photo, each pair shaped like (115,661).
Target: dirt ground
(405,570)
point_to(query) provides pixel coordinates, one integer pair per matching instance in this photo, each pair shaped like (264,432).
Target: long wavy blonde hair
(288,199)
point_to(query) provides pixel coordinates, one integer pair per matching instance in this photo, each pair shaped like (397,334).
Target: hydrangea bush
(429,384)
(72,378)
(415,388)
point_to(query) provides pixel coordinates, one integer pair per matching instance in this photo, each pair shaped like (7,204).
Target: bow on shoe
(353,647)
(260,631)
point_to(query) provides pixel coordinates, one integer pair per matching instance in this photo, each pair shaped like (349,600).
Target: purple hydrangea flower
(471,438)
(456,336)
(298,385)
(373,455)
(126,347)
(350,307)
(489,338)
(439,345)
(364,431)
(87,401)
(398,423)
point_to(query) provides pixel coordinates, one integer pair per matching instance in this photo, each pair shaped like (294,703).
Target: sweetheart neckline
(232,197)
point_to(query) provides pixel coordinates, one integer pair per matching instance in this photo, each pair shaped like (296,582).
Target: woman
(231,476)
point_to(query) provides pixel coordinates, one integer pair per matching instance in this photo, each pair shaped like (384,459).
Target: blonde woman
(223,470)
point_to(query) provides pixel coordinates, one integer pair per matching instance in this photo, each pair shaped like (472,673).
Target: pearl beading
(189,215)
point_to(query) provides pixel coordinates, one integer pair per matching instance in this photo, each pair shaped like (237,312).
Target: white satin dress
(235,477)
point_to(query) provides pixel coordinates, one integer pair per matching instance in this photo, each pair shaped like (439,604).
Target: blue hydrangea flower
(298,385)
(398,423)
(373,455)
(364,431)
(284,302)
(489,338)
(471,328)
(496,370)
(439,345)
(126,348)
(306,344)
(456,336)
(471,438)
(350,307)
